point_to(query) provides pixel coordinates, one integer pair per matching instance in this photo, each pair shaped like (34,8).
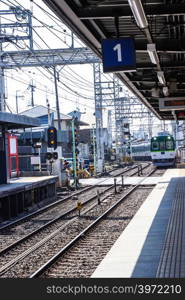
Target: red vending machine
(13,158)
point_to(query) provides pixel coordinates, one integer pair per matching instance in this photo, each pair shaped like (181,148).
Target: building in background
(29,138)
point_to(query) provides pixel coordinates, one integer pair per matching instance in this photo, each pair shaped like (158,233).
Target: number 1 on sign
(118,49)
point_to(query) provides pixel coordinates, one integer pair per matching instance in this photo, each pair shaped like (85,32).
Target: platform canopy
(14,121)
(158,31)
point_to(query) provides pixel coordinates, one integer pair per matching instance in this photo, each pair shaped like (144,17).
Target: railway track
(56,203)
(62,230)
(15,231)
(82,258)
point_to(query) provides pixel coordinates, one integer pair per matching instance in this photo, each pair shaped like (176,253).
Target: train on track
(161,150)
(141,151)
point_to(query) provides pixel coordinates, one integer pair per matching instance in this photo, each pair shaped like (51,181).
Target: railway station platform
(153,243)
(23,193)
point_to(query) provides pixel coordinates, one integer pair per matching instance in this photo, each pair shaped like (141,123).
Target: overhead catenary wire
(82,80)
(43,90)
(73,92)
(63,83)
(43,24)
(65,86)
(46,25)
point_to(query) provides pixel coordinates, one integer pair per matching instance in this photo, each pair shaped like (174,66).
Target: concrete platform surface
(137,251)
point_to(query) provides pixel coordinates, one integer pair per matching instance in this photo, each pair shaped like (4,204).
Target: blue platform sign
(119,55)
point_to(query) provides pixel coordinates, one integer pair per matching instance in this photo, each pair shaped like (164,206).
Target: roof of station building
(15,121)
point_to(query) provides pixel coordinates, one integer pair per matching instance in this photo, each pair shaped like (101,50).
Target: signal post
(75,153)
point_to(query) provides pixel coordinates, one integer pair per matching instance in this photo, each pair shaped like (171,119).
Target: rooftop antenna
(77,102)
(32,88)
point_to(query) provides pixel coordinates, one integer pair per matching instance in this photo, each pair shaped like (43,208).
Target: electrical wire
(43,90)
(75,92)
(45,25)
(50,14)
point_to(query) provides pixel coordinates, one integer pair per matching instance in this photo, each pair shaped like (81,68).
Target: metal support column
(3,160)
(2,80)
(94,150)
(99,117)
(74,155)
(57,100)
(118,110)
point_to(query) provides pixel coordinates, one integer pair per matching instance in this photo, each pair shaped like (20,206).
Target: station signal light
(49,155)
(55,155)
(52,137)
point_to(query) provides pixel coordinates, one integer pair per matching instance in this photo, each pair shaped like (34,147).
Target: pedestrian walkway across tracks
(127,181)
(153,243)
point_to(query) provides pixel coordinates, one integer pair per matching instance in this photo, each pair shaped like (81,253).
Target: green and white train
(161,150)
(141,151)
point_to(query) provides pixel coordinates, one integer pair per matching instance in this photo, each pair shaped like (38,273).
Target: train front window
(155,146)
(162,146)
(169,145)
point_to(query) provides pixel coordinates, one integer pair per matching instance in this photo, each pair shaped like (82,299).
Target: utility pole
(57,100)
(48,106)
(32,88)
(57,107)
(2,90)
(17,97)
(74,154)
(94,150)
(149,125)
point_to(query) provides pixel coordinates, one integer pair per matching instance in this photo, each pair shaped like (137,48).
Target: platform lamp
(165,91)
(151,49)
(161,78)
(138,12)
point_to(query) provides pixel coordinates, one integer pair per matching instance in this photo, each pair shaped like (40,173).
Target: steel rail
(30,250)
(47,207)
(42,269)
(61,216)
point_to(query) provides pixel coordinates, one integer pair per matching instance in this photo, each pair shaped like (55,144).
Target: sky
(75,86)
(76,82)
